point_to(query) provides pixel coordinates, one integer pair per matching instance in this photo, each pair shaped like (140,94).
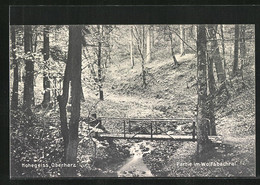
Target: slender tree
(109,48)
(152,36)
(242,41)
(29,70)
(46,55)
(172,47)
(140,37)
(223,48)
(100,32)
(148,45)
(76,49)
(182,36)
(14,102)
(214,52)
(235,64)
(202,136)
(131,47)
(143,58)
(210,98)
(35,37)
(213,57)
(73,75)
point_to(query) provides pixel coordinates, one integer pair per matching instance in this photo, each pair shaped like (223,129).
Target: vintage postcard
(132,100)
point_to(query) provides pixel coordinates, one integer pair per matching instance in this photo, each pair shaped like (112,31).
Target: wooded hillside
(64,79)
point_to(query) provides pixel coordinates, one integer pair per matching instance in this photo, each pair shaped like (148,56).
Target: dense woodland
(61,76)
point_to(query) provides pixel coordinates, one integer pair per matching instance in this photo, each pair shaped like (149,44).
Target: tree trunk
(202,137)
(46,55)
(131,47)
(109,49)
(75,44)
(101,96)
(73,74)
(182,45)
(14,102)
(242,41)
(63,100)
(152,37)
(214,52)
(172,50)
(143,59)
(29,71)
(141,48)
(148,46)
(235,64)
(211,96)
(223,48)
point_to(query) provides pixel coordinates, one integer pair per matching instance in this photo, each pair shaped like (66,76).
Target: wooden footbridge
(175,129)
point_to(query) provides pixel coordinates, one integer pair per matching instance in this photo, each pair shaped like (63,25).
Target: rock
(146,149)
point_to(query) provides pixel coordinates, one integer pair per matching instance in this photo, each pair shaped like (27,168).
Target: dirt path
(134,106)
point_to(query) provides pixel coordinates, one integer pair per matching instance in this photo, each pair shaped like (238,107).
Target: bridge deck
(155,137)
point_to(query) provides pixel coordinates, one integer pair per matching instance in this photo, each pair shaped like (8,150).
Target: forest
(132,100)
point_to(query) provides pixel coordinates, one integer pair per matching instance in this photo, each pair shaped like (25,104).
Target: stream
(134,166)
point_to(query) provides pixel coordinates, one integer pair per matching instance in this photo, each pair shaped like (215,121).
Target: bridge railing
(152,126)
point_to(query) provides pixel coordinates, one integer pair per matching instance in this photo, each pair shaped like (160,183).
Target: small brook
(134,166)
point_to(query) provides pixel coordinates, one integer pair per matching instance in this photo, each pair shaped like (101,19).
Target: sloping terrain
(171,92)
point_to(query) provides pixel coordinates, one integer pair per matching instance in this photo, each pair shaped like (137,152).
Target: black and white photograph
(132,100)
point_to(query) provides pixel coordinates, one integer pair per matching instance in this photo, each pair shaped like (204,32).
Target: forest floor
(171,92)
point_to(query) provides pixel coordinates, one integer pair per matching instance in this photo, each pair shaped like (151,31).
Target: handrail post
(193,131)
(129,127)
